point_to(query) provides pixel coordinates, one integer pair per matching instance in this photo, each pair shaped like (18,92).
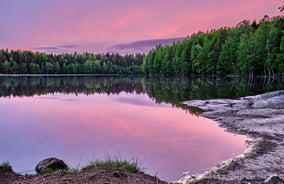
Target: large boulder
(50,164)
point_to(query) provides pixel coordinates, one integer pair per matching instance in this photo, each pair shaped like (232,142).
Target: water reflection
(167,90)
(134,101)
(167,141)
(80,119)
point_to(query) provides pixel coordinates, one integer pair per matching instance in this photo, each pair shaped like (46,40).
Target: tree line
(27,62)
(249,48)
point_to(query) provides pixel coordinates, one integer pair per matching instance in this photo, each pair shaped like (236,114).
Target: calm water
(81,119)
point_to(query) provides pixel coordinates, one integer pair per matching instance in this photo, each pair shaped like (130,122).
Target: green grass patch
(73,170)
(117,162)
(5,164)
(49,171)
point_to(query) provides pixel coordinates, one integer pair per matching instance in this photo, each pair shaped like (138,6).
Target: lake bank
(259,117)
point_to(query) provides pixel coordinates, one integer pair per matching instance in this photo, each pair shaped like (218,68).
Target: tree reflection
(162,90)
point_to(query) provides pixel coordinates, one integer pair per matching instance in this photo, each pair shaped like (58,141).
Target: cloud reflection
(168,140)
(136,101)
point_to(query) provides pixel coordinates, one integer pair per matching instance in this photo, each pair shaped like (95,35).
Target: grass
(108,162)
(72,170)
(49,171)
(117,162)
(5,164)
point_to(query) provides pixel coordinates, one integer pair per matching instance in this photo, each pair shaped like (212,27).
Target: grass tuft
(48,170)
(117,162)
(5,164)
(73,170)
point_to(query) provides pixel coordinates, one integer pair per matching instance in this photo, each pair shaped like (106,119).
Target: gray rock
(50,164)
(259,117)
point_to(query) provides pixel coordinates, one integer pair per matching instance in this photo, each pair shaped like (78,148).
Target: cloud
(59,49)
(46,48)
(49,49)
(142,46)
(69,46)
(101,26)
(135,101)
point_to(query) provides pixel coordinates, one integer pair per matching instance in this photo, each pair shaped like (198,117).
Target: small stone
(187,173)
(50,164)
(119,175)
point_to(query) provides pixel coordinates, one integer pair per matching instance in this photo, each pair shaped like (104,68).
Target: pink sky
(99,26)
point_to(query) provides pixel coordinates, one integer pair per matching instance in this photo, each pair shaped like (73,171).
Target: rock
(274,179)
(50,164)
(259,117)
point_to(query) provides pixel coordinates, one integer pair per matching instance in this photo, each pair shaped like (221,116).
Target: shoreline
(259,117)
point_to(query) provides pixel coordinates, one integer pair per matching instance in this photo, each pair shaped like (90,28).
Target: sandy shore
(259,117)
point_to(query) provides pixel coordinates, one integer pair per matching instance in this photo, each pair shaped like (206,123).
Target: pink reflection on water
(80,129)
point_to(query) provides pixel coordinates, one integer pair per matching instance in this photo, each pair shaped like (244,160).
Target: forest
(27,62)
(249,48)
(255,48)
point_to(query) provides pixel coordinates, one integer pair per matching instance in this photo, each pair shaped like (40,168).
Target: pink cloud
(106,23)
(217,15)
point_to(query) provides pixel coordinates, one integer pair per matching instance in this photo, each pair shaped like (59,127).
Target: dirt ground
(97,175)
(92,174)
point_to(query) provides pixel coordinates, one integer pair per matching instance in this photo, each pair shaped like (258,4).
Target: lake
(83,118)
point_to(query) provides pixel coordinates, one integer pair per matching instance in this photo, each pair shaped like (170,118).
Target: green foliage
(5,164)
(117,162)
(248,49)
(228,56)
(73,170)
(26,62)
(49,171)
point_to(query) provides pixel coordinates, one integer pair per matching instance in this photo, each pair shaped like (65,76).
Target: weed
(73,170)
(5,164)
(117,162)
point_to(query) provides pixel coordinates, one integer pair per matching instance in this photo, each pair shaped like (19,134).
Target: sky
(123,26)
